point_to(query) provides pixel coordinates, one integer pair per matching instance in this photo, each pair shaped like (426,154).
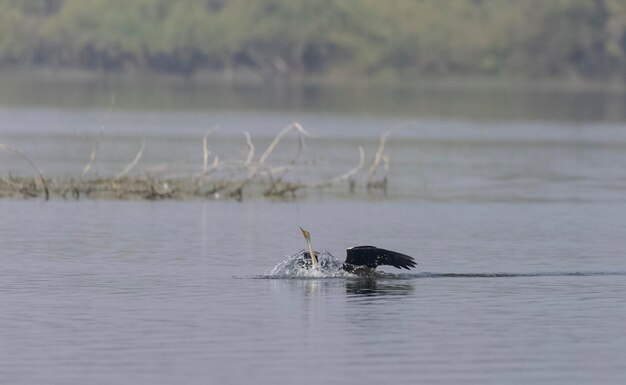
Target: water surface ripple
(518,229)
(105,292)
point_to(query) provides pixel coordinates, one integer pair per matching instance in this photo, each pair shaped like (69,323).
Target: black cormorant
(363,258)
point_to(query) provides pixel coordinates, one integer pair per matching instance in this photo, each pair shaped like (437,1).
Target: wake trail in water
(298,266)
(514,275)
(311,274)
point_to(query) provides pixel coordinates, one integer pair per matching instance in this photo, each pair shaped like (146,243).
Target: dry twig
(344,176)
(250,156)
(32,164)
(134,162)
(206,152)
(376,162)
(96,144)
(297,126)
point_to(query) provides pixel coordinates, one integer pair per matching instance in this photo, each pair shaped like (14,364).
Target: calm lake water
(518,227)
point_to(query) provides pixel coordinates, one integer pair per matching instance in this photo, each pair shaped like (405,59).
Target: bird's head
(307,237)
(306,234)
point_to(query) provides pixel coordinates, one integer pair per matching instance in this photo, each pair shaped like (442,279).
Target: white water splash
(299,266)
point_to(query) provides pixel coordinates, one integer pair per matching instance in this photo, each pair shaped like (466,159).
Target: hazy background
(507,154)
(426,59)
(334,41)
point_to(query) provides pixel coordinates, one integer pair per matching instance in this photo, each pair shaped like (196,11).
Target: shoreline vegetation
(30,76)
(562,45)
(248,178)
(331,42)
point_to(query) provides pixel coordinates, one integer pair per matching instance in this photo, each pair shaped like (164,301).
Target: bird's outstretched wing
(372,257)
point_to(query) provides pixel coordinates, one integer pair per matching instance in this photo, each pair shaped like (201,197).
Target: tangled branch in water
(234,179)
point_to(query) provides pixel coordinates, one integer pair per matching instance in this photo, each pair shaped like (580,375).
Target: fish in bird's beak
(307,237)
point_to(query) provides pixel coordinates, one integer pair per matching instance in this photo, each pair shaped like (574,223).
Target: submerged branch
(234,178)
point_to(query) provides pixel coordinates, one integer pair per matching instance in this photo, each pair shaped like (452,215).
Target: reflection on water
(399,285)
(307,287)
(357,286)
(377,287)
(460,100)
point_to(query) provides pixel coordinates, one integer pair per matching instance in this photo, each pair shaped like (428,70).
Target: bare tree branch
(32,164)
(378,157)
(96,144)
(134,162)
(344,176)
(205,149)
(250,156)
(297,126)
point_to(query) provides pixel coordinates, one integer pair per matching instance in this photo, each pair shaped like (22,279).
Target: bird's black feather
(370,256)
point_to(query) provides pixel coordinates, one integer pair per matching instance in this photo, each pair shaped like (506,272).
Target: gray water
(159,293)
(518,227)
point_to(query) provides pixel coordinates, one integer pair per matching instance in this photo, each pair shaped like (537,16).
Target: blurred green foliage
(397,39)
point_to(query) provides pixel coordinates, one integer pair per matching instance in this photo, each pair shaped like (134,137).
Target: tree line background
(330,39)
